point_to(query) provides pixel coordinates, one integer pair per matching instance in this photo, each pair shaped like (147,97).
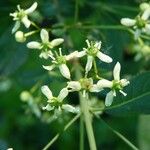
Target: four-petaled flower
(92,51)
(114,85)
(56,103)
(45,45)
(141,23)
(84,85)
(21,15)
(60,61)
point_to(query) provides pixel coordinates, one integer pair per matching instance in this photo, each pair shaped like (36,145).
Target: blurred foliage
(21,69)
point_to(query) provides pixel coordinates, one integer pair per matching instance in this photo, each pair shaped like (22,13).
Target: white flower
(92,51)
(116,84)
(59,61)
(84,84)
(141,22)
(45,45)
(21,15)
(54,102)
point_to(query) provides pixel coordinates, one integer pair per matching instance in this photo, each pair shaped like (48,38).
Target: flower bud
(25,96)
(20,37)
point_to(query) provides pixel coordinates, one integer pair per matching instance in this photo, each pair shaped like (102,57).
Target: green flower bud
(25,96)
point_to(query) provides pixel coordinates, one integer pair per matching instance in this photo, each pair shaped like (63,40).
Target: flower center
(61,60)
(117,85)
(21,14)
(55,102)
(92,50)
(86,83)
(140,22)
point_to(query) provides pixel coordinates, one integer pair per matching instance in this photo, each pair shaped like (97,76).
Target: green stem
(36,26)
(81,133)
(88,121)
(111,27)
(86,113)
(58,134)
(31,33)
(96,71)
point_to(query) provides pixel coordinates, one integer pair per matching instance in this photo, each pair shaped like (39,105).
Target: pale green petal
(109,98)
(89,63)
(116,71)
(128,22)
(70,108)
(44,36)
(46,91)
(49,68)
(26,21)
(103,83)
(34,45)
(64,70)
(32,8)
(103,57)
(56,42)
(16,26)
(63,93)
(74,86)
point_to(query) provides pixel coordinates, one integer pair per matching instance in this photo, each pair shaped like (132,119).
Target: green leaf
(137,100)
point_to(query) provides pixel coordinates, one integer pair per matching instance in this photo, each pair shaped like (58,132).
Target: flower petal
(49,68)
(116,71)
(103,57)
(146,14)
(32,8)
(81,53)
(109,98)
(74,86)
(64,70)
(16,26)
(72,55)
(124,82)
(104,83)
(56,42)
(46,91)
(44,55)
(34,45)
(48,107)
(128,22)
(44,36)
(147,29)
(89,64)
(70,108)
(63,93)
(26,21)
(95,88)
